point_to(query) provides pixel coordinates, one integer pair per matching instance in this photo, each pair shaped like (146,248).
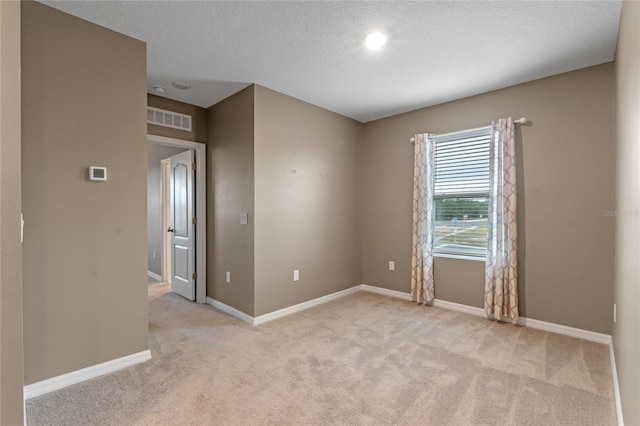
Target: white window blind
(461,191)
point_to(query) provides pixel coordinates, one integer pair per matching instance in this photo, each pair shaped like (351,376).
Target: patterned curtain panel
(501,277)
(422,289)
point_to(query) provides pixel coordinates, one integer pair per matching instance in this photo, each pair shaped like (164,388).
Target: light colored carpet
(361,359)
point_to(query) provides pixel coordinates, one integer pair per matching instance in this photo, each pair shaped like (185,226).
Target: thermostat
(97,173)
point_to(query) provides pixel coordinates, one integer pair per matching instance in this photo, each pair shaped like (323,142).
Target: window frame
(486,131)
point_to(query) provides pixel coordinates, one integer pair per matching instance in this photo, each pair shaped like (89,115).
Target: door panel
(181,263)
(180,201)
(182,229)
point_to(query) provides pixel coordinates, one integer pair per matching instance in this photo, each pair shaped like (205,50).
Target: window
(461,193)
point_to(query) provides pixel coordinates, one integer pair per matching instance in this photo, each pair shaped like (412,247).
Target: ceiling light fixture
(159,89)
(181,85)
(375,41)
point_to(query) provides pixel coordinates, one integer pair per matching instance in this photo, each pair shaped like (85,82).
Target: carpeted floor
(361,359)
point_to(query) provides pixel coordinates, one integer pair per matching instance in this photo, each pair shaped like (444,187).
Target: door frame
(200,210)
(166,219)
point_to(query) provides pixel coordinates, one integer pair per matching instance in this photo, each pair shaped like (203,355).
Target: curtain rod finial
(524,121)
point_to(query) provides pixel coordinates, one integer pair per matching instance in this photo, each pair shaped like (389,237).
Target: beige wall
(199,120)
(307,213)
(11,364)
(626,331)
(83,103)
(230,180)
(565,184)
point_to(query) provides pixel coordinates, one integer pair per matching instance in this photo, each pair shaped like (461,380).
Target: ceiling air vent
(166,118)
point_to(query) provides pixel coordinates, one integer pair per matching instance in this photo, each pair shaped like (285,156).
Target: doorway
(161,223)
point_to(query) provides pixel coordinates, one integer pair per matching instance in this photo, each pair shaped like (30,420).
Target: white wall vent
(166,118)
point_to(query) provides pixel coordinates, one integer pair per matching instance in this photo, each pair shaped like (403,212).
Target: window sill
(461,256)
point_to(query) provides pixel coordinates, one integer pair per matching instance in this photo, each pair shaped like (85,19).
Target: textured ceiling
(437,50)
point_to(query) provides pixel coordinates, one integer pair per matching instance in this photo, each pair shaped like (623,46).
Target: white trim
(458,307)
(201,203)
(385,291)
(304,305)
(471,310)
(230,310)
(566,330)
(466,133)
(461,256)
(59,382)
(165,165)
(527,322)
(154,276)
(281,312)
(616,387)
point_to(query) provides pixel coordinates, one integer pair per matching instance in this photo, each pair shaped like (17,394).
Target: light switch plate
(296,275)
(392,265)
(228,276)
(244,218)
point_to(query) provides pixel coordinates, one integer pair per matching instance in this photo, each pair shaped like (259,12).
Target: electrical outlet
(296,275)
(615,313)
(228,276)
(392,265)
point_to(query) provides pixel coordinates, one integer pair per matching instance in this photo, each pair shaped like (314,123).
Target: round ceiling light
(181,85)
(375,41)
(159,89)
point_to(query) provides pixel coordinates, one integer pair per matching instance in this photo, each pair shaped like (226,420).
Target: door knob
(170,229)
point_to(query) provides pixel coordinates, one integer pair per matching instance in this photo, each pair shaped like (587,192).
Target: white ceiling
(313,50)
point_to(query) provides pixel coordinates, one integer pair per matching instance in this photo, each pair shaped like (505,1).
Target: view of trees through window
(461,224)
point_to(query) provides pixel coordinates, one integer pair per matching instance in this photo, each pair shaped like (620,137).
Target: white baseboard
(471,310)
(230,310)
(154,276)
(281,312)
(452,306)
(528,322)
(592,336)
(385,291)
(64,380)
(304,305)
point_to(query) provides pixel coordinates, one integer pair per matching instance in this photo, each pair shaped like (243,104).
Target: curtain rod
(522,120)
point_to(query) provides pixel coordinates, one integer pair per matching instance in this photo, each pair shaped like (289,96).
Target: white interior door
(182,226)
(166,219)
